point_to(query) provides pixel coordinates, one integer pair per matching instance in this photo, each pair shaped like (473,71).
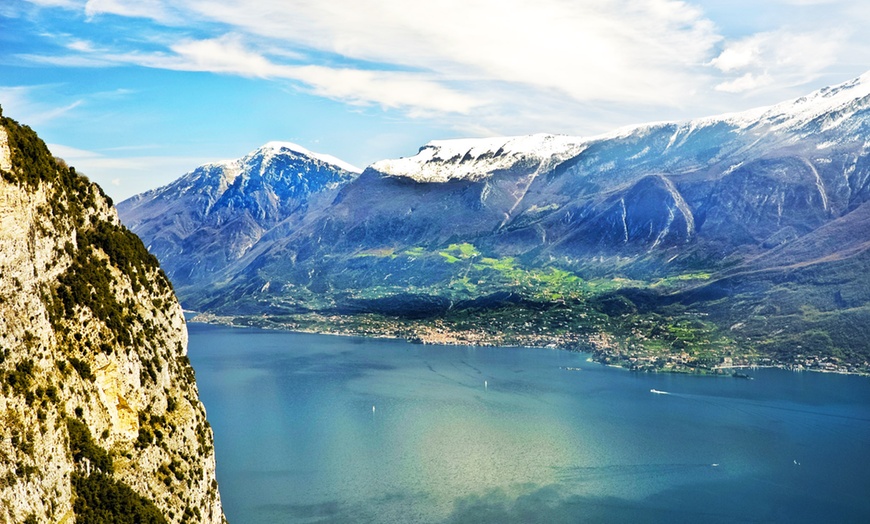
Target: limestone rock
(91,335)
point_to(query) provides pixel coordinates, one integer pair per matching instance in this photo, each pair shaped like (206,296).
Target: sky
(135,93)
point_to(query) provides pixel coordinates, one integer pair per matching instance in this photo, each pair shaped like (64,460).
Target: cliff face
(100,419)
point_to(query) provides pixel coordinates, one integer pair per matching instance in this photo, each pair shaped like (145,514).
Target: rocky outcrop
(99,413)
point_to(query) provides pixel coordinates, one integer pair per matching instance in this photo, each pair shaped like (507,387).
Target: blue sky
(135,93)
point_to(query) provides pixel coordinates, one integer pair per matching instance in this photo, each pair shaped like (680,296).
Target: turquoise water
(314,428)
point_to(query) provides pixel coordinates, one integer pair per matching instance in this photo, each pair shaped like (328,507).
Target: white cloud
(71,153)
(389,89)
(81,45)
(747,82)
(20,103)
(510,63)
(226,54)
(612,50)
(428,57)
(153,9)
(70,4)
(737,56)
(69,60)
(777,58)
(419,94)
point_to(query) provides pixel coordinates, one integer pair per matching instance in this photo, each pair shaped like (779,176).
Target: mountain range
(752,226)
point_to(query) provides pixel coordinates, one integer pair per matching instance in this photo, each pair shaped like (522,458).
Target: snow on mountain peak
(273,148)
(846,98)
(795,113)
(818,103)
(221,173)
(478,158)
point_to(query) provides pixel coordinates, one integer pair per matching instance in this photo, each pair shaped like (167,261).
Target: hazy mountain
(769,205)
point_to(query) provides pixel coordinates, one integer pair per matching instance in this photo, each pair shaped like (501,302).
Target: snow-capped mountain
(475,159)
(772,204)
(825,109)
(215,213)
(828,110)
(747,177)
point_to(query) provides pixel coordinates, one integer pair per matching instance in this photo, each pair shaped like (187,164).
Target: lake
(318,428)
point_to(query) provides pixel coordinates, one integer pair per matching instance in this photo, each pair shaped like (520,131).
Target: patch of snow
(732,168)
(624,216)
(632,130)
(794,113)
(607,166)
(273,148)
(478,158)
(783,116)
(228,169)
(820,185)
(826,145)
(665,230)
(640,153)
(740,119)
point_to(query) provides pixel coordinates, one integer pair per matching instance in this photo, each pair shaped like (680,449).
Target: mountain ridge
(247,197)
(650,203)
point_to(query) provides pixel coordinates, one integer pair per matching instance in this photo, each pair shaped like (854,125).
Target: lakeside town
(602,347)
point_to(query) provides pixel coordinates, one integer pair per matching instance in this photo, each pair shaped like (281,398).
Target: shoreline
(600,353)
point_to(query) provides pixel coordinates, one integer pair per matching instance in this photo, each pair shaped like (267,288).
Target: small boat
(657,392)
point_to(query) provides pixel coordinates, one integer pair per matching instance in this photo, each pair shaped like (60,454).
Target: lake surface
(316,428)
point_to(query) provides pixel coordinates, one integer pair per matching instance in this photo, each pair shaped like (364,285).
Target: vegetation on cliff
(98,397)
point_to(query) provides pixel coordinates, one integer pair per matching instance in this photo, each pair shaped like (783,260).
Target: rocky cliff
(100,419)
